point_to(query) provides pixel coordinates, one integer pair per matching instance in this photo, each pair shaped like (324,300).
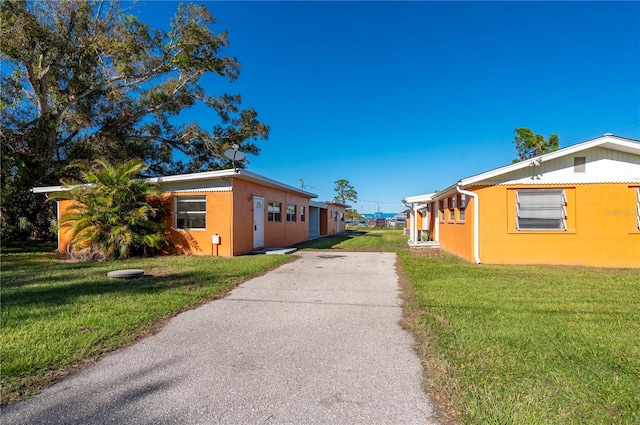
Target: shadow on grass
(61,294)
(28,246)
(328,242)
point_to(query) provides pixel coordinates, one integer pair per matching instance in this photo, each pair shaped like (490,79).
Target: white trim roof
(325,204)
(419,198)
(608,141)
(207,175)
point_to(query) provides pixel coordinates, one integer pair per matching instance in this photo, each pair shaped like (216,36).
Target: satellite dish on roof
(234,154)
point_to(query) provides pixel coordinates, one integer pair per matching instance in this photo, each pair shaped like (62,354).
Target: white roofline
(207,175)
(325,204)
(50,189)
(419,198)
(608,140)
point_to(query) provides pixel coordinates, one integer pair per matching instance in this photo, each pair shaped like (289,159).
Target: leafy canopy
(345,192)
(115,214)
(529,145)
(84,80)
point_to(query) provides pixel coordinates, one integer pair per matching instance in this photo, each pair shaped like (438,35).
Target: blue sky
(404,98)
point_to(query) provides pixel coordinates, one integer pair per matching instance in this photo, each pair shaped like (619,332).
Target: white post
(414,223)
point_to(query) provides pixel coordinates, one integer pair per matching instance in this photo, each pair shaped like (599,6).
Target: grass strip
(527,344)
(376,239)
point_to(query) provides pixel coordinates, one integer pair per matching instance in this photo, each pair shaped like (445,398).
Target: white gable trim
(607,141)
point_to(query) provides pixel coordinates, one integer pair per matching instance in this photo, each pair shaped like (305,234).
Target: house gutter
(476,222)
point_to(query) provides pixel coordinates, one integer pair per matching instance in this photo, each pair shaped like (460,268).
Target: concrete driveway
(315,341)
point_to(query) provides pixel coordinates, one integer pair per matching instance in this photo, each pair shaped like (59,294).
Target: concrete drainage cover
(126,274)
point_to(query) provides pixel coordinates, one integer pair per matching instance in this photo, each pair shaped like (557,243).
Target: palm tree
(115,213)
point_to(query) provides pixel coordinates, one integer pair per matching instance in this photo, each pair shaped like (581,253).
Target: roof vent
(608,134)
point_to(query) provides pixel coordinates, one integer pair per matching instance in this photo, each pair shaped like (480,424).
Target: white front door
(258,222)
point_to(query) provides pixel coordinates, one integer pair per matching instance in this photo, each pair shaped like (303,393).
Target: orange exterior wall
(192,241)
(601,228)
(229,215)
(324,220)
(196,241)
(419,219)
(335,224)
(64,234)
(456,236)
(276,234)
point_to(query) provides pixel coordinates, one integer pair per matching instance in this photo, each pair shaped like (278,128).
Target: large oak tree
(84,80)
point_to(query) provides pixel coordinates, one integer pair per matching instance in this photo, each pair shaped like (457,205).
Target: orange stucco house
(576,206)
(328,218)
(231,212)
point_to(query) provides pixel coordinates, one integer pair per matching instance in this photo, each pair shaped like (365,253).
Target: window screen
(452,208)
(579,164)
(541,209)
(462,207)
(191,212)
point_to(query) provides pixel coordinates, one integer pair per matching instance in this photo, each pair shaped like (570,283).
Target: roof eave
(50,189)
(207,175)
(419,198)
(608,140)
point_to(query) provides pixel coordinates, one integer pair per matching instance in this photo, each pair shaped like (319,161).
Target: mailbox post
(215,240)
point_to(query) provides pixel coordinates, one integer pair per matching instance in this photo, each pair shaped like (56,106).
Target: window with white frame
(443,206)
(452,208)
(291,212)
(303,215)
(191,212)
(462,206)
(273,212)
(541,209)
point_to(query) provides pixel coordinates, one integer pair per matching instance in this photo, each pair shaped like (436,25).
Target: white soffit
(419,198)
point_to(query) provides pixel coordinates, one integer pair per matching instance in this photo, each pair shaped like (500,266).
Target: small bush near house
(115,214)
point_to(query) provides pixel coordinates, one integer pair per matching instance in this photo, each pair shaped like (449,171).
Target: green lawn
(527,344)
(520,344)
(57,314)
(500,344)
(361,239)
